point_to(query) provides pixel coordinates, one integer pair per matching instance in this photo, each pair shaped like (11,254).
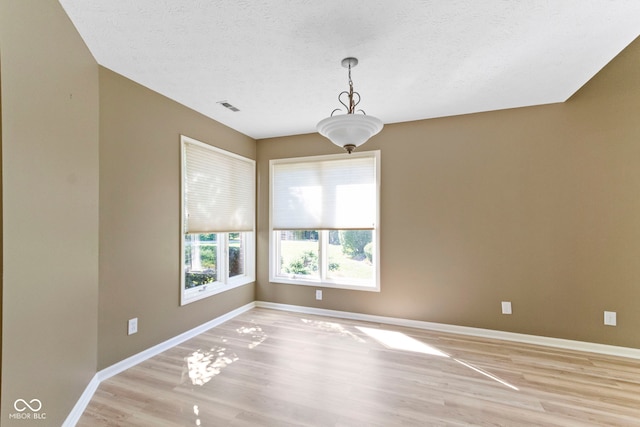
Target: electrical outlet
(506,307)
(318,294)
(132,326)
(610,318)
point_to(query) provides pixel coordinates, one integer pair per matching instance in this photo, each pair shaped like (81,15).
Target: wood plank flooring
(273,368)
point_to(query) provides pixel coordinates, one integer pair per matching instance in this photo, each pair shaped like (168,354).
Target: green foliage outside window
(235,261)
(368,251)
(354,241)
(307,263)
(199,278)
(208,256)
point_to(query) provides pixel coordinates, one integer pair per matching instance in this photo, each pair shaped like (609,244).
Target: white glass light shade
(349,130)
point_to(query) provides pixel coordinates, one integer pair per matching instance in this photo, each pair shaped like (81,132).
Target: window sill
(190,296)
(317,283)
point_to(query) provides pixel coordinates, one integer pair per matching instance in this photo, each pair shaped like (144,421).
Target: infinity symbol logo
(21,405)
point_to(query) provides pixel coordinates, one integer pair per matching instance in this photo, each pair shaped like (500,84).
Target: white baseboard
(609,350)
(81,404)
(172,342)
(132,361)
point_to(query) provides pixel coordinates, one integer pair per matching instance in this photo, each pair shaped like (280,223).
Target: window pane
(298,253)
(350,255)
(236,254)
(200,259)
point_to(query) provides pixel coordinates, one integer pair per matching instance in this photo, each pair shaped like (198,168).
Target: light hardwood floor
(273,368)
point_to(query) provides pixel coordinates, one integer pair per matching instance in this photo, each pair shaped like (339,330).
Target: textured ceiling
(278,61)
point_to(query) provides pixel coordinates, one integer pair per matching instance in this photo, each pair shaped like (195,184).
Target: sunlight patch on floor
(202,366)
(196,411)
(257,334)
(487,374)
(399,341)
(333,327)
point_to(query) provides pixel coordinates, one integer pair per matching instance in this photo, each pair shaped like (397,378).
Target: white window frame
(224,282)
(323,237)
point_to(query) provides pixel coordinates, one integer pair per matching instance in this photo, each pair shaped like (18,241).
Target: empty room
(335,213)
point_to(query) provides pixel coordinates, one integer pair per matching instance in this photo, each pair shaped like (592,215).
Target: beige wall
(1,224)
(65,125)
(50,201)
(538,206)
(140,217)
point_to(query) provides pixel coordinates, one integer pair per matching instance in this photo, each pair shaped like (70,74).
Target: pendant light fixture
(349,130)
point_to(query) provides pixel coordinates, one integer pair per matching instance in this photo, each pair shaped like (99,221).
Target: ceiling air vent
(228,106)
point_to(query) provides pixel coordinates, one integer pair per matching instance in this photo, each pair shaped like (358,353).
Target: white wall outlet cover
(506,307)
(318,294)
(610,318)
(132,326)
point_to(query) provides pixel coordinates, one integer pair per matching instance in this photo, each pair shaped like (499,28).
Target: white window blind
(219,189)
(324,193)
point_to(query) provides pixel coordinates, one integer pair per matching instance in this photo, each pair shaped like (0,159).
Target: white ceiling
(278,61)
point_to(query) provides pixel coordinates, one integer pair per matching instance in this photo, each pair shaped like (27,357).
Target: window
(218,220)
(324,221)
